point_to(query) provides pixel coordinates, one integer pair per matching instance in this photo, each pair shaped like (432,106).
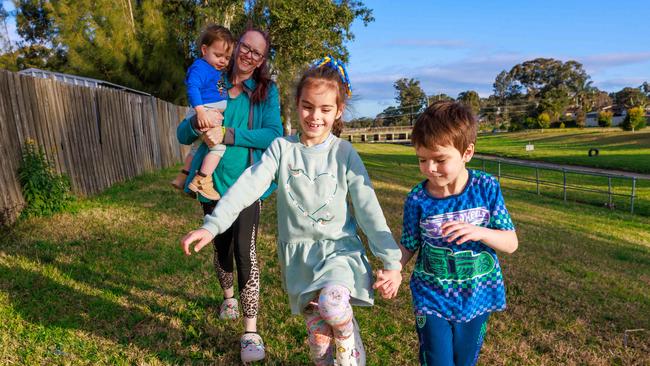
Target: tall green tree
(438,97)
(471,99)
(555,101)
(411,98)
(645,88)
(301,32)
(144,44)
(544,74)
(390,116)
(39,46)
(630,97)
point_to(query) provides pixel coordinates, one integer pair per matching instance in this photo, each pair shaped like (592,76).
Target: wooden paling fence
(96,136)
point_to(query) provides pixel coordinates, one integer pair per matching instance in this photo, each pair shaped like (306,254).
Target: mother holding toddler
(250,122)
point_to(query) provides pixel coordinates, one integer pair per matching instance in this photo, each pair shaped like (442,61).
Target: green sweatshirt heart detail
(312,195)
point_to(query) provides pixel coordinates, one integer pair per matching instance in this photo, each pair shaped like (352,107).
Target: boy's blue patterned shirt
(455,282)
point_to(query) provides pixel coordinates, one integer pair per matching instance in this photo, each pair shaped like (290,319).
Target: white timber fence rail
(378,134)
(609,190)
(96,136)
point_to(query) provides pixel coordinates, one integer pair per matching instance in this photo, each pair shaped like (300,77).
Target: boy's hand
(202,118)
(201,235)
(461,232)
(388,282)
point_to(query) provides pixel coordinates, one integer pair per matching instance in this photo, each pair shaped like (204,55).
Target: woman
(252,121)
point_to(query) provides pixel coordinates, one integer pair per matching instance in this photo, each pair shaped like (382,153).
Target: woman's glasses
(246,49)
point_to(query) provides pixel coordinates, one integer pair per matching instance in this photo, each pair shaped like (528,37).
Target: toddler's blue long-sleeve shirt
(202,81)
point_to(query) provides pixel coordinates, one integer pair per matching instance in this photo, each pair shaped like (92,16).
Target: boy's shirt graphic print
(443,263)
(455,282)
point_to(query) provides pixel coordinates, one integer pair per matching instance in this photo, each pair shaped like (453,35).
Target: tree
(362,122)
(601,99)
(390,116)
(543,120)
(302,31)
(635,119)
(605,118)
(645,88)
(39,46)
(438,97)
(411,99)
(630,97)
(544,74)
(409,94)
(555,101)
(471,99)
(504,87)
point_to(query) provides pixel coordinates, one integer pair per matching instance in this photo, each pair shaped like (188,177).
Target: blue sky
(453,46)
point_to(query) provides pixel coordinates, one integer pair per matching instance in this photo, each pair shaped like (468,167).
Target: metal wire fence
(622,192)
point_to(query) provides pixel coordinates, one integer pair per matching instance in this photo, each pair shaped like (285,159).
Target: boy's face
(217,54)
(443,165)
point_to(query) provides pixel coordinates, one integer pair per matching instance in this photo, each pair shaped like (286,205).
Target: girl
(324,266)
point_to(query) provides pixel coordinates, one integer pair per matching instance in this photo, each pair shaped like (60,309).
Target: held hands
(388,282)
(201,235)
(460,232)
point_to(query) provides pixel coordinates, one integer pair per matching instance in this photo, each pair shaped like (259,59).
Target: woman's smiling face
(250,51)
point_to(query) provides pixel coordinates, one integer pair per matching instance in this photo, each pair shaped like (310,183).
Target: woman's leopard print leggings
(239,242)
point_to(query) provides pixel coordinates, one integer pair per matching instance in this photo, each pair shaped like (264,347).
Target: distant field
(106,284)
(618,149)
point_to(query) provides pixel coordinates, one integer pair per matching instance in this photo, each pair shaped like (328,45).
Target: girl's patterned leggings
(330,316)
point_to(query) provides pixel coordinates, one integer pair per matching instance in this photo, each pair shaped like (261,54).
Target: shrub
(530,123)
(562,125)
(635,119)
(605,118)
(544,120)
(45,191)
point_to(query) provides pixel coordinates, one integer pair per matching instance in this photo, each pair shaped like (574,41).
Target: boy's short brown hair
(445,123)
(213,33)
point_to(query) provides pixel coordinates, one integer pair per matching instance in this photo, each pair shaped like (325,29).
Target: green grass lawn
(618,149)
(107,284)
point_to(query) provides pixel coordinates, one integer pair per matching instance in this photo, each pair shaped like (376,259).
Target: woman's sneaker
(229,309)
(252,347)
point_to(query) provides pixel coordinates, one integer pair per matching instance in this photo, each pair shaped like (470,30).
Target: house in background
(617,119)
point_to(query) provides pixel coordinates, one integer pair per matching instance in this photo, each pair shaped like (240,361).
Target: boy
(455,220)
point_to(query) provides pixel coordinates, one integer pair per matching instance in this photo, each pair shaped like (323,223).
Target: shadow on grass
(128,282)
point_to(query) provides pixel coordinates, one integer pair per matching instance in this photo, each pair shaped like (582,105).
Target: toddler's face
(442,165)
(217,54)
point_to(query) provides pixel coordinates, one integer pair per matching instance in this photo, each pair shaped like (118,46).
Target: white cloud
(617,84)
(601,61)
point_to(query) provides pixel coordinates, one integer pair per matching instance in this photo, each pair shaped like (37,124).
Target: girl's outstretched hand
(201,235)
(388,282)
